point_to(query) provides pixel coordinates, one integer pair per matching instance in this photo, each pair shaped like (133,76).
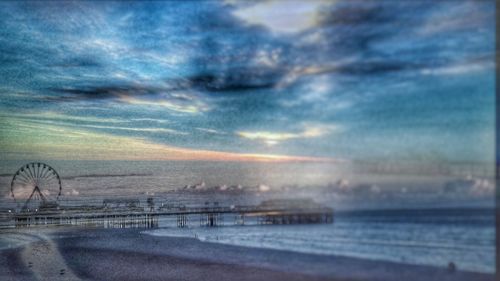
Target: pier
(43,207)
(122,213)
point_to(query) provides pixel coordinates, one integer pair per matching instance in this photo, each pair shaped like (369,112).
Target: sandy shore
(114,254)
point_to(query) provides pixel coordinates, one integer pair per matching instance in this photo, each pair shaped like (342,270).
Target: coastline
(127,254)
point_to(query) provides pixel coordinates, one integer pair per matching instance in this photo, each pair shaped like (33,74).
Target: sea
(402,218)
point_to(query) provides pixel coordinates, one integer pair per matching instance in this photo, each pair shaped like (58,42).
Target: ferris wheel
(37,184)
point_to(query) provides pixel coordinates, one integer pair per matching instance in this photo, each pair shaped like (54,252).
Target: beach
(128,254)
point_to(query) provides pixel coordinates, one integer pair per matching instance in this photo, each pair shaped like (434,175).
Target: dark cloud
(350,29)
(233,82)
(78,62)
(348,14)
(376,67)
(104,92)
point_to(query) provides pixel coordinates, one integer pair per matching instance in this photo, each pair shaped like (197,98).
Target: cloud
(144,95)
(349,28)
(460,68)
(103,92)
(274,138)
(61,142)
(55,116)
(63,120)
(72,192)
(211,131)
(151,130)
(150,120)
(344,187)
(270,138)
(466,16)
(469,186)
(281,16)
(81,61)
(176,106)
(234,80)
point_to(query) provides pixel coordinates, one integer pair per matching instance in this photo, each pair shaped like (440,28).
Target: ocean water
(424,237)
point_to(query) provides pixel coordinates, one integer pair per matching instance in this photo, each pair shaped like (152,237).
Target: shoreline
(299,252)
(128,254)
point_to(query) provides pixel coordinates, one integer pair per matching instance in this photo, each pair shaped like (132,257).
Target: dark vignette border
(497,137)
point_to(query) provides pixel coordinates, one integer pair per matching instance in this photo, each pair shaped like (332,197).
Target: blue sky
(266,80)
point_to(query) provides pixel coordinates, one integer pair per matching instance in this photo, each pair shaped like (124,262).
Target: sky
(248,81)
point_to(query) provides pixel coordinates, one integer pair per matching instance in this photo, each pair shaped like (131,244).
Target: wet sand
(126,254)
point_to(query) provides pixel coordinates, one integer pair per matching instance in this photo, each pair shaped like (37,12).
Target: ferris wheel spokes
(36,182)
